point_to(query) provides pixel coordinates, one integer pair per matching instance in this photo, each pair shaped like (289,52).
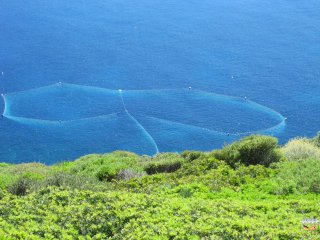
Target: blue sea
(148,76)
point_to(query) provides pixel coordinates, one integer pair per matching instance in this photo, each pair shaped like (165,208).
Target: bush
(298,177)
(316,140)
(106,166)
(299,149)
(205,199)
(199,166)
(192,155)
(70,181)
(20,187)
(188,190)
(163,162)
(189,213)
(32,168)
(23,184)
(6,180)
(9,173)
(128,174)
(106,173)
(161,167)
(251,150)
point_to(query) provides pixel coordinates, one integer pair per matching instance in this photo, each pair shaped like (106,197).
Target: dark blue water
(250,64)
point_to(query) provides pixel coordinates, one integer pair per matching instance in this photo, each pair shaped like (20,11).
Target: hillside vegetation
(250,189)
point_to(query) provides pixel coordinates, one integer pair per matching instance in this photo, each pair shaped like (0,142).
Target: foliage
(301,148)
(128,174)
(164,162)
(10,173)
(199,166)
(72,181)
(298,177)
(23,184)
(316,140)
(192,155)
(243,191)
(56,213)
(104,167)
(251,150)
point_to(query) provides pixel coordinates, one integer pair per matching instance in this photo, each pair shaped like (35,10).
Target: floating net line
(147,134)
(185,107)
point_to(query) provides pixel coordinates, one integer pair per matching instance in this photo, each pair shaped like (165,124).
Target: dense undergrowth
(251,189)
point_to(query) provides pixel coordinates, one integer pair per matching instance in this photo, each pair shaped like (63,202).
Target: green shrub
(106,173)
(300,148)
(192,155)
(163,162)
(9,173)
(106,166)
(161,167)
(23,184)
(316,140)
(196,197)
(32,168)
(199,166)
(6,180)
(70,181)
(128,174)
(62,166)
(20,187)
(251,150)
(187,213)
(298,177)
(189,190)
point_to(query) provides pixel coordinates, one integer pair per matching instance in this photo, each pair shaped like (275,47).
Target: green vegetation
(250,150)
(301,148)
(250,189)
(165,162)
(316,140)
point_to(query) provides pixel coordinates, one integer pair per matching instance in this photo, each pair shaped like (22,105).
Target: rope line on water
(248,103)
(138,123)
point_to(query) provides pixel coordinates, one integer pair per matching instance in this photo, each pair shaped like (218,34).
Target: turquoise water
(250,65)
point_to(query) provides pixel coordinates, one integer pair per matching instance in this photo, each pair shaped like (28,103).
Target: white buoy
(190,88)
(120,90)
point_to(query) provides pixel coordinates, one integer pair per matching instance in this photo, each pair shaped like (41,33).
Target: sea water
(81,77)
